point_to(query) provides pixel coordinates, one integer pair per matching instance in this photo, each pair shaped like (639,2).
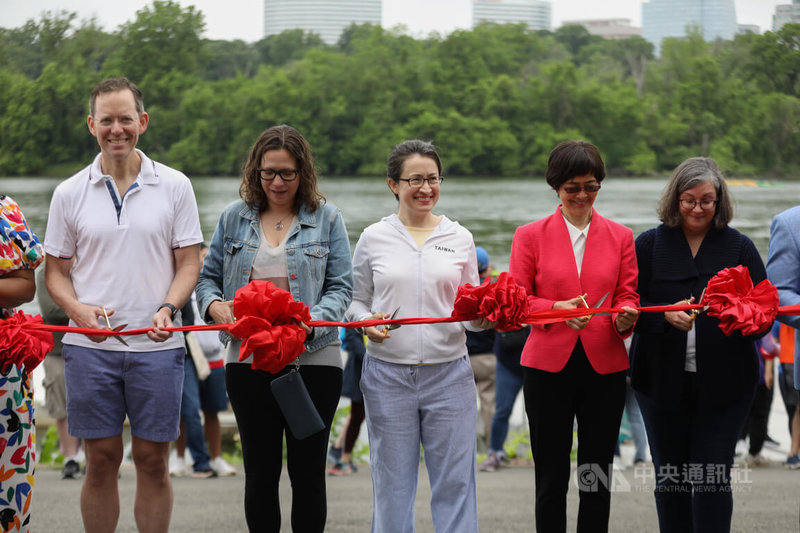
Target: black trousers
(553,401)
(693,445)
(758,419)
(262,429)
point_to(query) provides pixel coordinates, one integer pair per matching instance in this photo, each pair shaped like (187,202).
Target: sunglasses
(575,189)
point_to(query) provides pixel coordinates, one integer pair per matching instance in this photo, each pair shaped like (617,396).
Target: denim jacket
(317,257)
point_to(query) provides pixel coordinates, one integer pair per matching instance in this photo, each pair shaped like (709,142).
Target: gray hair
(691,173)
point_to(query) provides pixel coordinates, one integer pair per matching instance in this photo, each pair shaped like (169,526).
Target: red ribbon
(269,318)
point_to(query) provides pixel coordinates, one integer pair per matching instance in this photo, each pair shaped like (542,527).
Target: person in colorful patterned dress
(20,254)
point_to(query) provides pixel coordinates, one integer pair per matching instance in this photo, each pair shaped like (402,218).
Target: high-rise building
(607,28)
(328,18)
(534,13)
(670,18)
(748,28)
(786,14)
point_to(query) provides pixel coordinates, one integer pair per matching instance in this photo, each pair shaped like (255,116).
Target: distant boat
(750,183)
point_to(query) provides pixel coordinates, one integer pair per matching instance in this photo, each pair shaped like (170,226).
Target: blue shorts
(104,386)
(213,397)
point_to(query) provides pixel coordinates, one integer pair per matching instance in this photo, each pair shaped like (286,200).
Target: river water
(489,207)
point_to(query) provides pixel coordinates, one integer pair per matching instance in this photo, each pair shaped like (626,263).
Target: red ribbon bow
(22,345)
(268,325)
(503,302)
(731,297)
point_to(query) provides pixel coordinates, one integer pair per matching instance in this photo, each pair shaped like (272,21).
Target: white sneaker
(756,460)
(618,465)
(127,459)
(741,447)
(222,468)
(177,466)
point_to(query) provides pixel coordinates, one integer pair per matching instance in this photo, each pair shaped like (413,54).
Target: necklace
(279,224)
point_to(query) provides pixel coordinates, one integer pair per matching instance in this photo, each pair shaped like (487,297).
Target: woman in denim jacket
(282,231)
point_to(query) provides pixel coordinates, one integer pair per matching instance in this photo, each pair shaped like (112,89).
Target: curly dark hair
(289,139)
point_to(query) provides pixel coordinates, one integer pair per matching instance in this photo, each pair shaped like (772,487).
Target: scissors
(116,329)
(695,312)
(390,327)
(596,305)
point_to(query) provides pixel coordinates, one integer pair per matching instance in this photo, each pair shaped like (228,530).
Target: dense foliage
(495,99)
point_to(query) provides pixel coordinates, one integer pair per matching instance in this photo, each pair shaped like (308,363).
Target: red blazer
(543,262)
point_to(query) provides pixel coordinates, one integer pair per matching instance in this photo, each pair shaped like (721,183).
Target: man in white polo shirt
(123,240)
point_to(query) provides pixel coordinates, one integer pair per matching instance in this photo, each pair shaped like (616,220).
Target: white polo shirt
(122,249)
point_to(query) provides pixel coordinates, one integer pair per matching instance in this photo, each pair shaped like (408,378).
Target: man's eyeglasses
(575,189)
(269,174)
(691,203)
(417,181)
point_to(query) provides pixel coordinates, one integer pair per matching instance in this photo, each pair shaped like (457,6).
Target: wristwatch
(171,308)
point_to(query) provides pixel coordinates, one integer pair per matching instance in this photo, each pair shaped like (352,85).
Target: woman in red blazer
(575,369)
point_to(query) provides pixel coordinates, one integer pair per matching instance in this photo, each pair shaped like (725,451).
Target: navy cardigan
(727,366)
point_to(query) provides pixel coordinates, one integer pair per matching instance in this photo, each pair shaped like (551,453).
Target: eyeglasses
(269,174)
(575,189)
(417,181)
(691,203)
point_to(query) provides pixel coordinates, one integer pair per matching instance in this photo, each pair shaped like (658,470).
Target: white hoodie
(390,271)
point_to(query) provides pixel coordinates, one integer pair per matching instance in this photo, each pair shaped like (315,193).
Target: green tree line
(495,99)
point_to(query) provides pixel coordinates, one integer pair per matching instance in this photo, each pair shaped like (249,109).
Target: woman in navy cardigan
(694,384)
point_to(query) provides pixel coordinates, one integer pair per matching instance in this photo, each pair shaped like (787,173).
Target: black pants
(758,419)
(693,444)
(262,428)
(357,416)
(553,401)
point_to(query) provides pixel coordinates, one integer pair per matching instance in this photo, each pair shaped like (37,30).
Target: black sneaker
(204,473)
(771,443)
(71,470)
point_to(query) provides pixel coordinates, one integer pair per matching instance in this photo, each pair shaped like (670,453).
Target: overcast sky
(242,19)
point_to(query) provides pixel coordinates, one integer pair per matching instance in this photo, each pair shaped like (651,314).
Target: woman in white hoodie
(417,381)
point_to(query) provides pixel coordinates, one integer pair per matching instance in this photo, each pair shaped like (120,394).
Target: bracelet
(172,309)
